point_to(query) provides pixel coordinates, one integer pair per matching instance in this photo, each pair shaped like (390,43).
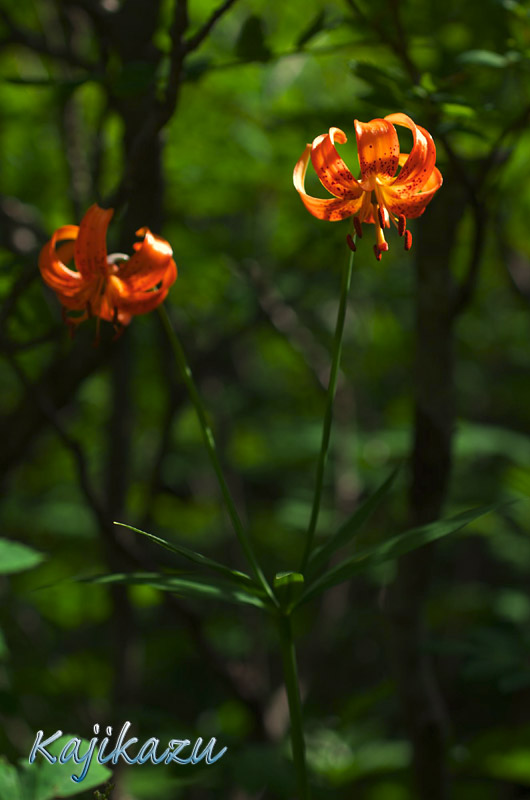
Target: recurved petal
(378,148)
(418,166)
(91,243)
(53,270)
(330,168)
(149,264)
(133,301)
(415,205)
(331,209)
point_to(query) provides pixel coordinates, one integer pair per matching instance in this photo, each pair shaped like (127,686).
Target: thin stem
(328,415)
(187,377)
(290,674)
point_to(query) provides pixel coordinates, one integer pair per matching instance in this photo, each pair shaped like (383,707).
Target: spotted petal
(330,168)
(419,165)
(330,209)
(413,206)
(378,148)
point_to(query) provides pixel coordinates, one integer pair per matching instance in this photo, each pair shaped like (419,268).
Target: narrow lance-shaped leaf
(188,586)
(350,528)
(197,558)
(391,549)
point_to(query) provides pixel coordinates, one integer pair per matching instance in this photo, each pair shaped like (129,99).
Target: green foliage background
(255,304)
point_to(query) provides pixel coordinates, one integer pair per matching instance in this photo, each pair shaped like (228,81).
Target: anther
(381,216)
(115,316)
(402,224)
(351,243)
(408,240)
(358,227)
(377,252)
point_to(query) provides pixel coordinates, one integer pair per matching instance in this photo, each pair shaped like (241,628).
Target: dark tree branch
(32,41)
(198,38)
(397,44)
(45,407)
(466,289)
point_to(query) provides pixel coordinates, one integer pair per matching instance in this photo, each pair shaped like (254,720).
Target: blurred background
(189,117)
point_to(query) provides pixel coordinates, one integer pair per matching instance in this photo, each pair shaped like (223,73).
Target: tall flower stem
(187,377)
(290,672)
(328,415)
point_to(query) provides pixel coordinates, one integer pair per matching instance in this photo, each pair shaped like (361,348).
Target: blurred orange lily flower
(110,287)
(379,195)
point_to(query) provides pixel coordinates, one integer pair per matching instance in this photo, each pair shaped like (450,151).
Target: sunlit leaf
(484,58)
(314,27)
(9,782)
(15,557)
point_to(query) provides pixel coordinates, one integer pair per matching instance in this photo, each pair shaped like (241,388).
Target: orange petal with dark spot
(415,205)
(331,209)
(378,148)
(330,168)
(418,166)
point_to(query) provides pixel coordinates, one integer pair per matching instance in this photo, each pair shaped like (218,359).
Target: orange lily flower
(111,287)
(380,195)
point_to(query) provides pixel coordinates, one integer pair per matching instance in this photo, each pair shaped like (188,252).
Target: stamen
(115,316)
(381,216)
(377,252)
(351,243)
(119,330)
(402,224)
(358,227)
(380,236)
(408,240)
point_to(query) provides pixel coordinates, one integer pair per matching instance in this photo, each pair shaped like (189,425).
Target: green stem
(328,415)
(290,673)
(187,377)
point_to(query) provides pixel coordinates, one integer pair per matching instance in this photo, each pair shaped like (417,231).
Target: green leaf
(44,781)
(350,528)
(188,586)
(9,781)
(15,557)
(197,558)
(317,24)
(251,44)
(387,84)
(391,549)
(484,58)
(288,587)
